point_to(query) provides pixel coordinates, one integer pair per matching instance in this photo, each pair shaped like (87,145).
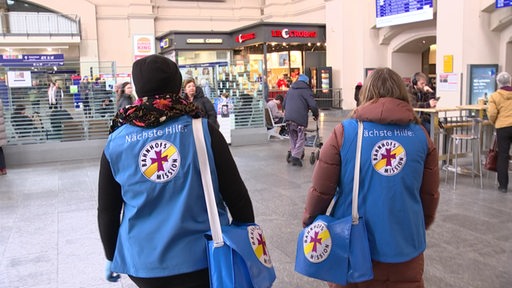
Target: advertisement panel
(143,45)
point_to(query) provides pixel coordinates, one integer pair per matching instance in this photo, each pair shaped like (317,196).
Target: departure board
(394,12)
(503,3)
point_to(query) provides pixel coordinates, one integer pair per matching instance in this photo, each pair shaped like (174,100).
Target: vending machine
(321,83)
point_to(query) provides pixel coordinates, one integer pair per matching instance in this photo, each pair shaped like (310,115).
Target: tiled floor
(49,236)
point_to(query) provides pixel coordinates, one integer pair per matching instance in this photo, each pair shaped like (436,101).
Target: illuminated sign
(394,12)
(143,45)
(195,41)
(164,43)
(214,40)
(245,37)
(202,41)
(286,33)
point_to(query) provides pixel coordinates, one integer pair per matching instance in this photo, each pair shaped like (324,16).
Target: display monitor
(503,3)
(482,81)
(394,12)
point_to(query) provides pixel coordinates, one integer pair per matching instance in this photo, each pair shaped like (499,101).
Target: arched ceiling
(417,45)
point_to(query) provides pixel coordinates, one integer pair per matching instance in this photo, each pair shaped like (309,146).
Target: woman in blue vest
(151,210)
(399,180)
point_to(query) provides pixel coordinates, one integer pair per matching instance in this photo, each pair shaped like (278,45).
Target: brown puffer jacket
(326,175)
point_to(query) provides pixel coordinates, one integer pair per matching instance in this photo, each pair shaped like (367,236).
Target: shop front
(260,60)
(250,65)
(277,53)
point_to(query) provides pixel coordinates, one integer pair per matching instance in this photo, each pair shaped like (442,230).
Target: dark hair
(279,98)
(18,108)
(417,76)
(123,86)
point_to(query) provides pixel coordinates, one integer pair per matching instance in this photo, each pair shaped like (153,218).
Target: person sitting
(22,123)
(276,113)
(107,108)
(422,96)
(56,119)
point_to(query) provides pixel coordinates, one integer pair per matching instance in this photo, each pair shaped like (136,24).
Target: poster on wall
(448,82)
(19,79)
(481,81)
(143,45)
(203,75)
(283,59)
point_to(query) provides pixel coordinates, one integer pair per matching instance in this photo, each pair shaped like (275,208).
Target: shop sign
(202,41)
(245,37)
(164,43)
(287,33)
(214,40)
(31,60)
(143,45)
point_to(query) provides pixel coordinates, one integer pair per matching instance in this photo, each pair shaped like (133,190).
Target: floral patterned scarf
(153,111)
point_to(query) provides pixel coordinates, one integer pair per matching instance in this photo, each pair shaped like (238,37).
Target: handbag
(492,157)
(337,250)
(237,254)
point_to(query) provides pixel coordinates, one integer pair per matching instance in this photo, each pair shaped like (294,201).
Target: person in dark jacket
(297,103)
(125,97)
(195,94)
(422,96)
(152,213)
(22,123)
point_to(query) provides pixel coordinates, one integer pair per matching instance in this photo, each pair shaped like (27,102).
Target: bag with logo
(237,254)
(337,250)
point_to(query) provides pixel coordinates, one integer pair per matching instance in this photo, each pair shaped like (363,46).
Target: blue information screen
(503,3)
(31,60)
(394,12)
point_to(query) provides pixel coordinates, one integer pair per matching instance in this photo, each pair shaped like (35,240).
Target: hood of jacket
(386,111)
(300,85)
(505,93)
(199,93)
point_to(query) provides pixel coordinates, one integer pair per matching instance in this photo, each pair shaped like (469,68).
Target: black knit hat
(156,75)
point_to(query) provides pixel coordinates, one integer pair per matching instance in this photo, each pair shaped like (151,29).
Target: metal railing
(76,116)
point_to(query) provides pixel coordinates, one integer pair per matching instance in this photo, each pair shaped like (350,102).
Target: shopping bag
(360,260)
(337,250)
(237,254)
(243,261)
(334,250)
(492,158)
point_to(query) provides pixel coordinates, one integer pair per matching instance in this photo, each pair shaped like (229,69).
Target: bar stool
(472,138)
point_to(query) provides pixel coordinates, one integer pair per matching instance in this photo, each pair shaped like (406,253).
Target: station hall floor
(49,236)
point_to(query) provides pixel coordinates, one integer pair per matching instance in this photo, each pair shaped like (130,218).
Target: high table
(435,130)
(434,121)
(474,107)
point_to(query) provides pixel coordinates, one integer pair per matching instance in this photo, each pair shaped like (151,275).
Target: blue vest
(164,218)
(392,161)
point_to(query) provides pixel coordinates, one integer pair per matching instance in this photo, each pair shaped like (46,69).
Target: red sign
(244,37)
(286,33)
